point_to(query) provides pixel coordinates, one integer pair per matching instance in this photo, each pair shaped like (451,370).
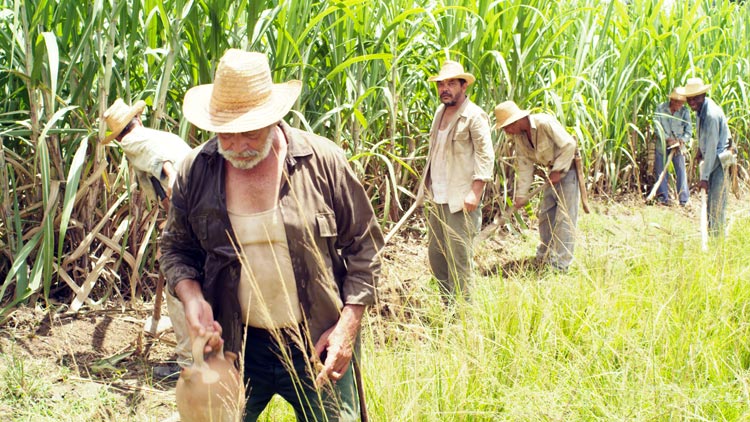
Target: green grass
(645,327)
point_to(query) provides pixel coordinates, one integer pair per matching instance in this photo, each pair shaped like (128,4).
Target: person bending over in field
(673,133)
(540,140)
(155,156)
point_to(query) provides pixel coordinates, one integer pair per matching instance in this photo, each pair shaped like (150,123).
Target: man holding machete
(713,140)
(540,140)
(673,132)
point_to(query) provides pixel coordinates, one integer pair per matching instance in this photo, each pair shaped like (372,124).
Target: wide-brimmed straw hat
(243,96)
(677,96)
(508,112)
(693,87)
(118,115)
(452,70)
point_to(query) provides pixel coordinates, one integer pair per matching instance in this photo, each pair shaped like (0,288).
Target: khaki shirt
(469,152)
(147,150)
(551,147)
(331,230)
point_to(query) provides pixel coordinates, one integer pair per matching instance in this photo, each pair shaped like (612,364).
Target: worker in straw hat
(154,155)
(540,140)
(713,140)
(271,233)
(460,162)
(673,132)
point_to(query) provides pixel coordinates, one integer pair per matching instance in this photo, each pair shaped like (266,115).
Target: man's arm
(339,341)
(687,126)
(360,240)
(198,314)
(484,159)
(471,202)
(524,177)
(710,138)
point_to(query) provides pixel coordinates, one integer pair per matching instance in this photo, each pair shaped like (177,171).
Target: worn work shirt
(672,125)
(468,152)
(551,147)
(147,150)
(713,135)
(332,233)
(268,293)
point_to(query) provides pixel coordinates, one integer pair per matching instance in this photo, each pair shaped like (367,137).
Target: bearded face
(246,150)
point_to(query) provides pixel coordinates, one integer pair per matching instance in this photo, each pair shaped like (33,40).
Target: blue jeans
(717,201)
(678,161)
(285,369)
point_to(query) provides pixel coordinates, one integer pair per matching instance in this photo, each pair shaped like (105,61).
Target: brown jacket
(331,229)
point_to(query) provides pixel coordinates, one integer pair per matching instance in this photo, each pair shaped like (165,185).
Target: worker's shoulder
(315,144)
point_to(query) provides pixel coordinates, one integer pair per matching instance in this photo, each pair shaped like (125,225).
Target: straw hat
(243,96)
(508,112)
(119,114)
(694,87)
(452,70)
(677,96)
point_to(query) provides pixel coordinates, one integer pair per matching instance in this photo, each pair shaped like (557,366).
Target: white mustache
(244,154)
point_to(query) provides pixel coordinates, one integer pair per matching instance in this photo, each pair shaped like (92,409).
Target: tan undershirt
(267,291)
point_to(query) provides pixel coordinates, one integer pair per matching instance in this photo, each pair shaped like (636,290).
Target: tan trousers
(450,248)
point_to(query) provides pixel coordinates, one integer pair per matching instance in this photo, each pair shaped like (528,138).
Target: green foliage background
(70,215)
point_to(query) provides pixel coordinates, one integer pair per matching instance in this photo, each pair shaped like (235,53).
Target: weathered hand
(339,353)
(554,177)
(200,320)
(519,202)
(471,202)
(703,185)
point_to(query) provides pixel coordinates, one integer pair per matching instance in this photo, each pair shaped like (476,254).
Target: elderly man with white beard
(271,236)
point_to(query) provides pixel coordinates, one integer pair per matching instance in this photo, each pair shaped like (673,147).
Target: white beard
(240,160)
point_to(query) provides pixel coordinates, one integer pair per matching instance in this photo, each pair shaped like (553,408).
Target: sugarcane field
(348,210)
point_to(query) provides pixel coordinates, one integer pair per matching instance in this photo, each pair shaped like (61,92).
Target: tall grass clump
(645,327)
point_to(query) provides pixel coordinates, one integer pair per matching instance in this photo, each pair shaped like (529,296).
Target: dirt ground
(107,348)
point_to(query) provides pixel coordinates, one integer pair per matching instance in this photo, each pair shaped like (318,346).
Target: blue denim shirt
(713,135)
(668,125)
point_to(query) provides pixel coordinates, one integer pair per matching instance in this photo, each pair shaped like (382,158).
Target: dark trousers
(280,365)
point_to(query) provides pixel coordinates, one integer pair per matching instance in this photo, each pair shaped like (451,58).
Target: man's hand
(199,315)
(519,202)
(554,177)
(672,143)
(338,342)
(703,185)
(471,202)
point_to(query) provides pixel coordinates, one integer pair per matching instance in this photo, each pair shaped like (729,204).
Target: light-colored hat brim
(135,110)
(196,109)
(683,90)
(520,114)
(677,97)
(466,76)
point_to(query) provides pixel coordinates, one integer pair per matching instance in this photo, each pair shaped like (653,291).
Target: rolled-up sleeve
(525,174)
